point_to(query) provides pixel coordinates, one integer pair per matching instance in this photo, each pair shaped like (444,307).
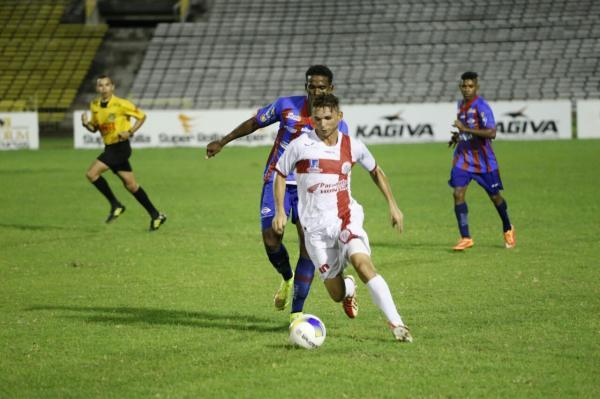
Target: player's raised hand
(279,222)
(212,149)
(84,119)
(397,218)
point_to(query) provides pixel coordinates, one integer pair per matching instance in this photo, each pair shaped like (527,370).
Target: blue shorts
(267,204)
(490,181)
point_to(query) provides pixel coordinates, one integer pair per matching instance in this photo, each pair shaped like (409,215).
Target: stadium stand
(43,62)
(382,51)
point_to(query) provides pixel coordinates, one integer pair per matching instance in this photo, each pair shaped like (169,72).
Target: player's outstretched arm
(244,129)
(280,219)
(381,181)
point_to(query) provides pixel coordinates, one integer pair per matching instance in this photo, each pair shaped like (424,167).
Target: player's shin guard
(462,213)
(305,271)
(382,297)
(281,262)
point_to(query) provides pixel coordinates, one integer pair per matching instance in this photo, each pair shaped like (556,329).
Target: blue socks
(462,213)
(502,211)
(305,271)
(281,262)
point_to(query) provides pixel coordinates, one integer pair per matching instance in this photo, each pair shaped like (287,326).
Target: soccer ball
(307,331)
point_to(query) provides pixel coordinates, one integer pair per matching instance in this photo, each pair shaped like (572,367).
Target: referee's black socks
(102,186)
(143,199)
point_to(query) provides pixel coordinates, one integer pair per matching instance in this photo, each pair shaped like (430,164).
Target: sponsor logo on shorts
(265,211)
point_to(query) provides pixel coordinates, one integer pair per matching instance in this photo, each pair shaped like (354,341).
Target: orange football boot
(463,243)
(509,238)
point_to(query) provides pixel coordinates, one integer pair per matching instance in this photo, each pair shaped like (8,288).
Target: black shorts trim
(116,156)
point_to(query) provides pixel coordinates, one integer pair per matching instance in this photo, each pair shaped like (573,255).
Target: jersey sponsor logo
(328,188)
(294,129)
(106,128)
(291,116)
(518,123)
(313,166)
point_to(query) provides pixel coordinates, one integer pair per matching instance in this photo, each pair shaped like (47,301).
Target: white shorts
(331,250)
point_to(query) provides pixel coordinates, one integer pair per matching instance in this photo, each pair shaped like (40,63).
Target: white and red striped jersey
(323,174)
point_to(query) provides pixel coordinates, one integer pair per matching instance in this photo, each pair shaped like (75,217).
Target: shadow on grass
(44,227)
(149,316)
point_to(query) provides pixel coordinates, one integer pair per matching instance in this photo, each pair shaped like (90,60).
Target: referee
(110,116)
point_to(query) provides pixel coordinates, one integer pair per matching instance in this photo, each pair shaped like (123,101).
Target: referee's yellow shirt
(114,118)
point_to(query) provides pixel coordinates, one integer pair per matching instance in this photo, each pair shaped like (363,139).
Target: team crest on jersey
(313,166)
(346,168)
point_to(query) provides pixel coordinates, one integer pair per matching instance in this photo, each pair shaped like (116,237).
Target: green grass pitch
(90,310)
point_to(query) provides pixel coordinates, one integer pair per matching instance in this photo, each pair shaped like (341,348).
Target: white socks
(350,287)
(380,292)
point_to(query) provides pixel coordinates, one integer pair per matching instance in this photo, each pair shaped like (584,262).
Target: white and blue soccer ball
(307,331)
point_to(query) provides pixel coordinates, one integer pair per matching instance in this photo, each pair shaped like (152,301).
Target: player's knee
(131,185)
(91,176)
(365,270)
(459,196)
(497,199)
(271,241)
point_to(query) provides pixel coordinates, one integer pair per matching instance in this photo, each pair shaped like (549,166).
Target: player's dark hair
(320,70)
(469,76)
(105,77)
(326,101)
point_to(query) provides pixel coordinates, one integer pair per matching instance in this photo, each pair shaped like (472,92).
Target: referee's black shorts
(116,156)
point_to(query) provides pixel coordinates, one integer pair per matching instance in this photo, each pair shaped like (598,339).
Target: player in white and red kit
(332,220)
(293,115)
